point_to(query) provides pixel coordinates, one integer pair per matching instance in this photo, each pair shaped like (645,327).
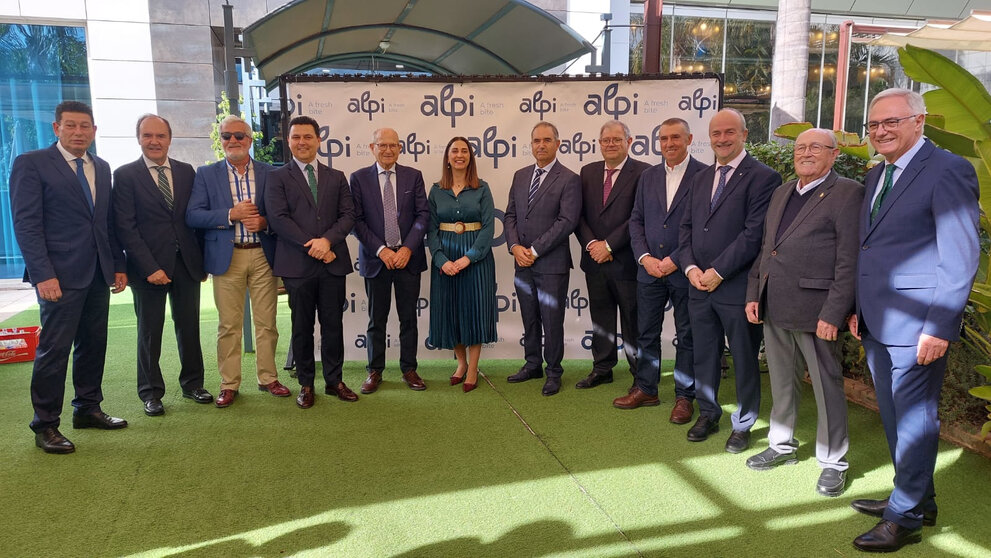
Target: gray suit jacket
(809,274)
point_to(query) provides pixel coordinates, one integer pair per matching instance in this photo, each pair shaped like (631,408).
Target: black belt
(246,245)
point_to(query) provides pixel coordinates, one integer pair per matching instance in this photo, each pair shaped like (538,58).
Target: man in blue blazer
(721,234)
(391,217)
(654,225)
(919,252)
(543,210)
(227,205)
(311,211)
(164,259)
(63,220)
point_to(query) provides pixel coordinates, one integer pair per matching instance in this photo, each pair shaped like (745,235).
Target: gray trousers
(786,349)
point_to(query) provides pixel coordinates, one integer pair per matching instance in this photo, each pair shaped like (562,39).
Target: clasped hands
(707,280)
(524,256)
(657,267)
(599,251)
(395,259)
(246,212)
(319,248)
(452,268)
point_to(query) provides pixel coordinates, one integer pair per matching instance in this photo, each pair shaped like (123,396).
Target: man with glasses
(391,218)
(801,289)
(918,256)
(228,205)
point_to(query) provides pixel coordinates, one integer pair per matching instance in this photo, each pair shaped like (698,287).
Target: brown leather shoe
(342,392)
(414,381)
(371,383)
(275,388)
(225,398)
(305,398)
(636,398)
(683,411)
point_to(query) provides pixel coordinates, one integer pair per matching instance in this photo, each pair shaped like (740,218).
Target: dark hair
(677,122)
(545,124)
(143,117)
(471,173)
(72,106)
(305,121)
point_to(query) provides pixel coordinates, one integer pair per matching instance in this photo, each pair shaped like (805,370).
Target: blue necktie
(533,186)
(81,175)
(723,171)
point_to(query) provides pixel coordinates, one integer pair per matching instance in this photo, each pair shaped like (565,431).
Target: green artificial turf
(501,471)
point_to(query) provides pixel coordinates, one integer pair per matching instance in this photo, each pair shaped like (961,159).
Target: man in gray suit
(802,289)
(543,210)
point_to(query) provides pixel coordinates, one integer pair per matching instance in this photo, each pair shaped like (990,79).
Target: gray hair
(611,123)
(678,122)
(824,131)
(915,101)
(233,118)
(547,124)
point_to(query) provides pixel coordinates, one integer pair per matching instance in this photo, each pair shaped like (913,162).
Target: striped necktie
(163,186)
(534,185)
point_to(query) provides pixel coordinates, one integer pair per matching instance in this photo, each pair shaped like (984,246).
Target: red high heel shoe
(468,386)
(455,380)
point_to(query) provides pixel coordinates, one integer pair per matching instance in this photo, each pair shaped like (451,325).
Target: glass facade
(40,66)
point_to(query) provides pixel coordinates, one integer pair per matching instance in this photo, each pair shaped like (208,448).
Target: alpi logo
(446,104)
(611,103)
(538,104)
(489,145)
(415,148)
(697,102)
(366,105)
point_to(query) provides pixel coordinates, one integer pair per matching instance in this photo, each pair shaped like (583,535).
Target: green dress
(462,307)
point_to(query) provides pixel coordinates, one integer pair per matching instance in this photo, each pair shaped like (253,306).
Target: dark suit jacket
(654,227)
(209,206)
(296,219)
(808,274)
(917,261)
(369,221)
(547,223)
(58,235)
(148,229)
(728,237)
(609,222)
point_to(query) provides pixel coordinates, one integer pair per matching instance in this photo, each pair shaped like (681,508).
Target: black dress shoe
(198,395)
(594,379)
(154,408)
(702,428)
(524,375)
(738,441)
(887,536)
(877,507)
(551,386)
(831,482)
(99,419)
(52,441)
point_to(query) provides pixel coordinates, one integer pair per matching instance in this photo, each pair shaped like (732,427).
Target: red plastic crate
(18,344)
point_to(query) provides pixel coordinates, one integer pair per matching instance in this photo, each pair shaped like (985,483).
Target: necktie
(889,172)
(163,186)
(534,185)
(311,178)
(392,237)
(607,186)
(723,171)
(81,175)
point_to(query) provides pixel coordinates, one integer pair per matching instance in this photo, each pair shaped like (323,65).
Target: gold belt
(460,227)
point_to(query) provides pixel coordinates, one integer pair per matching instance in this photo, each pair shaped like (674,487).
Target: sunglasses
(236,135)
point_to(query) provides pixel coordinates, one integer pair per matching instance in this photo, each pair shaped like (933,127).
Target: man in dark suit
(164,258)
(609,188)
(801,289)
(661,200)
(311,211)
(720,239)
(63,220)
(228,205)
(391,217)
(918,255)
(543,210)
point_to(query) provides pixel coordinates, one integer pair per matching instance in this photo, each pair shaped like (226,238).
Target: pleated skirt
(463,307)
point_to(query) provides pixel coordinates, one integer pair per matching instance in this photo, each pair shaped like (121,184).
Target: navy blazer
(369,221)
(59,236)
(148,230)
(296,219)
(209,209)
(545,224)
(727,238)
(918,259)
(655,227)
(609,221)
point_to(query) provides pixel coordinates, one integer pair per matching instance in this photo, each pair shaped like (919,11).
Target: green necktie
(311,178)
(889,171)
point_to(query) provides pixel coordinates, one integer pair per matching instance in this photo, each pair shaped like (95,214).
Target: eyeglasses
(611,141)
(887,123)
(236,135)
(385,146)
(813,148)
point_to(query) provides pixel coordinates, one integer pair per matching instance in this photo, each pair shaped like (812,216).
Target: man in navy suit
(543,210)
(164,259)
(311,211)
(228,205)
(63,220)
(654,224)
(609,188)
(919,253)
(721,234)
(391,217)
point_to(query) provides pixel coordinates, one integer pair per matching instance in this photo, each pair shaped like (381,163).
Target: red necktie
(607,186)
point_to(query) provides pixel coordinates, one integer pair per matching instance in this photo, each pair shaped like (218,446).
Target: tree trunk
(790,69)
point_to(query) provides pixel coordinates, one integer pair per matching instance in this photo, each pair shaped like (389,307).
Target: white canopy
(972,33)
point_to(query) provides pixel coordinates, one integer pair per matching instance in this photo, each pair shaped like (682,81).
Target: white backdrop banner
(496,117)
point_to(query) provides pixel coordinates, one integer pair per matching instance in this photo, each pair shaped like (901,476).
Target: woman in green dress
(462,277)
